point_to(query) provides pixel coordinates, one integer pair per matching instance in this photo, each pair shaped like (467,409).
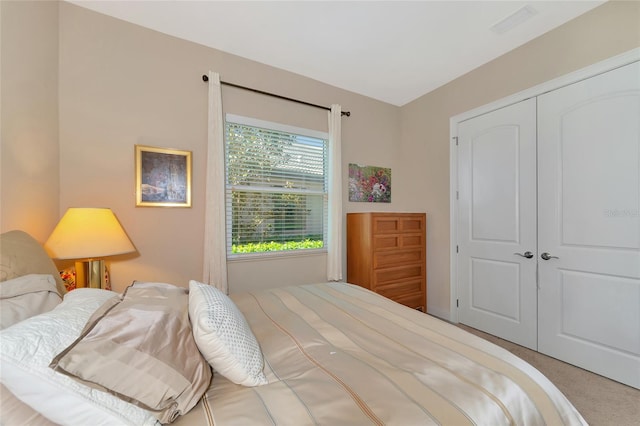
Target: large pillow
(21,254)
(26,349)
(15,412)
(224,337)
(27,296)
(141,349)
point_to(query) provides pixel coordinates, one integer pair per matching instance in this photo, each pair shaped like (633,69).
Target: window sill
(249,257)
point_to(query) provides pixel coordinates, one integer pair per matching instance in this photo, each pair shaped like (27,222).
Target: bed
(321,354)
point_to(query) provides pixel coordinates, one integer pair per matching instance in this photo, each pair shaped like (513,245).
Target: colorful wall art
(369,184)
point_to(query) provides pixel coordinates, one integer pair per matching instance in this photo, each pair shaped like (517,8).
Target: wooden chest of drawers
(386,253)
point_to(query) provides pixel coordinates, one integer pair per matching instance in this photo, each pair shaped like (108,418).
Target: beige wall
(122,85)
(604,32)
(29,165)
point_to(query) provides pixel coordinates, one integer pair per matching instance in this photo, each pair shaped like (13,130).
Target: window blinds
(276,189)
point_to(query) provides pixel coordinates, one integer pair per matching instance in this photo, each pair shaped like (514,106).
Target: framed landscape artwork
(163,177)
(369,184)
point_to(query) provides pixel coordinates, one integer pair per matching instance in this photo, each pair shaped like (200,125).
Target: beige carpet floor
(602,402)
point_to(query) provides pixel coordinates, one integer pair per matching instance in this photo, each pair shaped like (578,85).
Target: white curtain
(334,237)
(215,247)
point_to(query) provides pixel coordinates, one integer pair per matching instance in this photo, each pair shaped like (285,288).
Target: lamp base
(90,274)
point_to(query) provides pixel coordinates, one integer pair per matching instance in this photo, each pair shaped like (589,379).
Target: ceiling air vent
(513,20)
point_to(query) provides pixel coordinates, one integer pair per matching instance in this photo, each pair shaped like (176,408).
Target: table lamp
(88,235)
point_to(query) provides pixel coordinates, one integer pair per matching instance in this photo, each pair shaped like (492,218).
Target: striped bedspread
(337,354)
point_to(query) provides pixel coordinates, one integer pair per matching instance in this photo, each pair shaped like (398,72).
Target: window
(276,187)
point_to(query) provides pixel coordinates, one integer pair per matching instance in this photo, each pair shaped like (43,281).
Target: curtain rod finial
(205,78)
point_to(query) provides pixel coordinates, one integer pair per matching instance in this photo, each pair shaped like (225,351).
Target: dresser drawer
(417,301)
(390,275)
(397,257)
(412,224)
(386,225)
(398,224)
(381,242)
(401,288)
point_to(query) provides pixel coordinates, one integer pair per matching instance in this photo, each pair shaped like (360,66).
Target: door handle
(526,254)
(547,256)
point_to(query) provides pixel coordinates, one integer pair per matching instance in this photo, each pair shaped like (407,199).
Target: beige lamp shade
(88,233)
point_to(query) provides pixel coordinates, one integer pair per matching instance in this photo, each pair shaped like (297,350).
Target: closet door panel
(497,220)
(589,219)
(600,180)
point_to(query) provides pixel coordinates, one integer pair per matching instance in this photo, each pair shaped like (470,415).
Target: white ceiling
(393,51)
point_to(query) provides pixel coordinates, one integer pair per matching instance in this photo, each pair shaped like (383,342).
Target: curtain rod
(205,78)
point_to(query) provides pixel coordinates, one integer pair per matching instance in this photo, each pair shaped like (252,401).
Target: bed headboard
(21,254)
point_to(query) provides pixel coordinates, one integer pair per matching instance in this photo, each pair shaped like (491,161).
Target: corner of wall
(30,166)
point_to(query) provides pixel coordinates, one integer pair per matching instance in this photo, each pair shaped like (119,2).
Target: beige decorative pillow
(21,254)
(224,337)
(26,349)
(141,349)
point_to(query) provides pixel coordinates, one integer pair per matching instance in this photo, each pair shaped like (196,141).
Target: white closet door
(589,217)
(497,220)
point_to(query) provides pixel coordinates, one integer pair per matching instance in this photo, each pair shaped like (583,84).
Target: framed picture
(369,184)
(163,177)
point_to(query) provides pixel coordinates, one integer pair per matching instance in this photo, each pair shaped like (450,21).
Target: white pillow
(27,296)
(223,336)
(27,348)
